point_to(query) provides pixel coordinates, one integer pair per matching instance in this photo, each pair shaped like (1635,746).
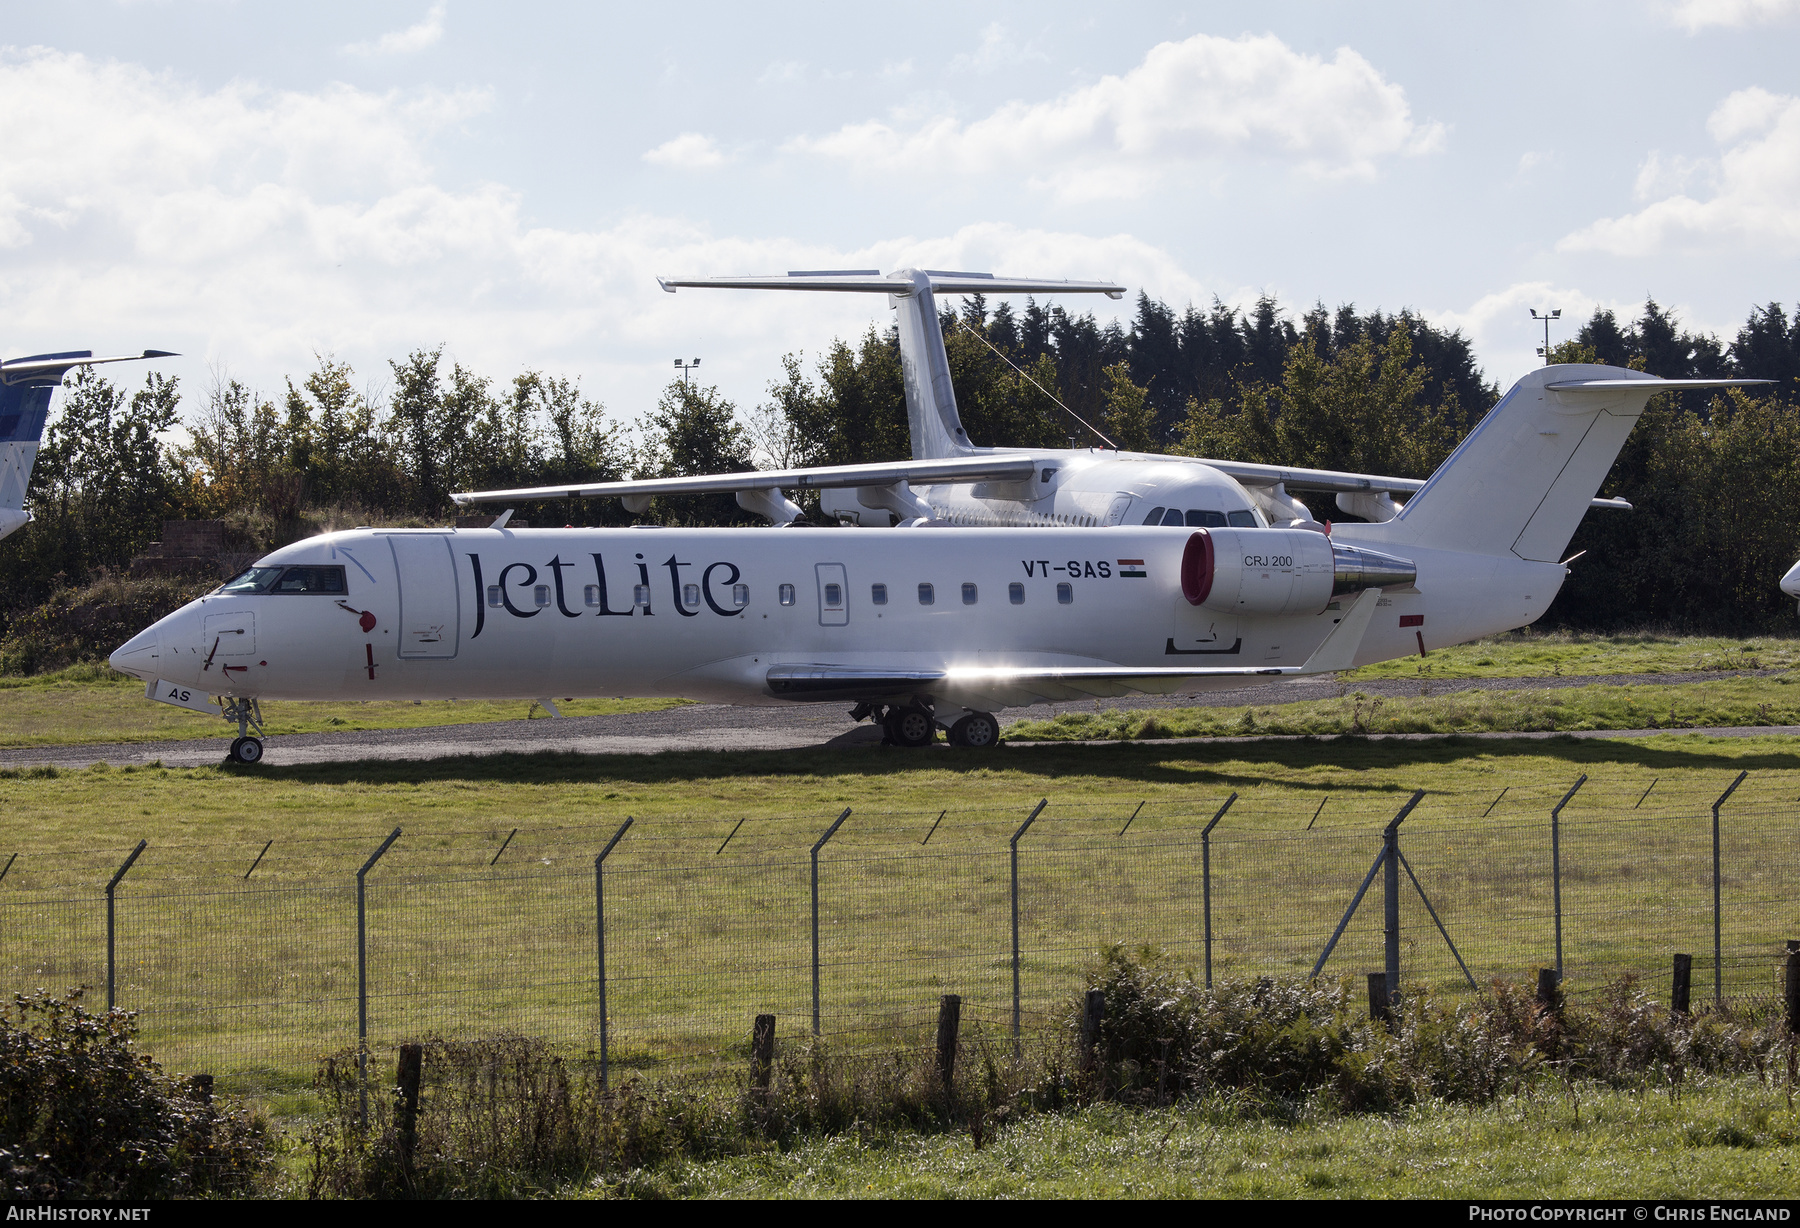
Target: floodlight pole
(1553,314)
(684,368)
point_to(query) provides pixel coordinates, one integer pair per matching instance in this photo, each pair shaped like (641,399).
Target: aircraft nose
(138,655)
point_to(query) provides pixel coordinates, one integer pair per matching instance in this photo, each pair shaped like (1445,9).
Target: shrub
(86,624)
(84,1115)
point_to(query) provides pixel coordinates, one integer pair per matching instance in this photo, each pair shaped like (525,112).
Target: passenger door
(430,608)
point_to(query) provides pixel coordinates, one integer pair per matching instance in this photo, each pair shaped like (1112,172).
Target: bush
(84,1115)
(86,624)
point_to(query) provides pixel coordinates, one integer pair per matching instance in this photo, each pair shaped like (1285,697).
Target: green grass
(1730,702)
(252,978)
(1533,654)
(90,703)
(1729,1139)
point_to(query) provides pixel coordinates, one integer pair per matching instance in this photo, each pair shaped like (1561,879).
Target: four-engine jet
(922,629)
(25,387)
(949,479)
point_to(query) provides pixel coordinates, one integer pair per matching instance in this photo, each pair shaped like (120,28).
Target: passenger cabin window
(1153,516)
(1015,593)
(969,594)
(1065,593)
(251,580)
(690,596)
(640,596)
(1200,519)
(740,595)
(927,594)
(878,594)
(1242,520)
(834,596)
(541,594)
(589,595)
(494,598)
(785,594)
(311,580)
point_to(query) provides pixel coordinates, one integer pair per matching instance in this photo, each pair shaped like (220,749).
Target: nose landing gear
(245,749)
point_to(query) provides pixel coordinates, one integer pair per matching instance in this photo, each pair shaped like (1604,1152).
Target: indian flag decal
(1133,569)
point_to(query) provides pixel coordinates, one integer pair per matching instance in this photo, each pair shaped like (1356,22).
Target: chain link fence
(245,959)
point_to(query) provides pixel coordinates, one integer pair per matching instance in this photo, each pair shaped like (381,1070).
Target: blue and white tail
(1522,480)
(25,387)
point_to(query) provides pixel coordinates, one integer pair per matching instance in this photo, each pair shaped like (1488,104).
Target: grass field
(89,703)
(1725,702)
(1534,654)
(252,977)
(1731,1139)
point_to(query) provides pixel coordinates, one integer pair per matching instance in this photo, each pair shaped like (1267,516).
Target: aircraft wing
(1006,467)
(1002,686)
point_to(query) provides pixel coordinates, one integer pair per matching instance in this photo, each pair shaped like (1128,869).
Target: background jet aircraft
(1790,583)
(25,385)
(919,629)
(951,480)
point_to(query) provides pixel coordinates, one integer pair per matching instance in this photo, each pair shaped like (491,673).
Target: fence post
(762,1053)
(949,1023)
(1206,877)
(1790,985)
(1681,984)
(110,885)
(817,845)
(1556,866)
(362,969)
(1093,1015)
(406,1078)
(1381,1007)
(1390,904)
(1018,1043)
(1718,965)
(600,935)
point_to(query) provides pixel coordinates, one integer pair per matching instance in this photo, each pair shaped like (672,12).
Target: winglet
(1338,652)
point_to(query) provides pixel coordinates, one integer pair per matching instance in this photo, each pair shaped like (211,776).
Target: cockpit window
(1243,520)
(311,580)
(1202,519)
(1153,516)
(1172,516)
(251,580)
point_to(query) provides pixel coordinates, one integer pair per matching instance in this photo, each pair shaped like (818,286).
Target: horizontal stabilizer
(902,282)
(1651,384)
(50,368)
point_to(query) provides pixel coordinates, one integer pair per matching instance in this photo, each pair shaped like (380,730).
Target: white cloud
(1697,15)
(1755,182)
(782,72)
(416,37)
(691,151)
(997,51)
(1186,103)
(255,227)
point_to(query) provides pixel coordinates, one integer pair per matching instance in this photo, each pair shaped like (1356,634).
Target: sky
(256,184)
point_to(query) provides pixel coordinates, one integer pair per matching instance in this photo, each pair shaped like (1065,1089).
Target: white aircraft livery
(951,480)
(921,628)
(1790,583)
(25,387)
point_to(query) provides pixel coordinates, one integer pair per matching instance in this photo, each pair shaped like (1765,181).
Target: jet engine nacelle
(1281,571)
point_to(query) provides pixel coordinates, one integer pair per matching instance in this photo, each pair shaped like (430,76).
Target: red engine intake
(1197,568)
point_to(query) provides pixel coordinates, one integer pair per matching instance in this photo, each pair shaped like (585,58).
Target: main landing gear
(245,749)
(916,724)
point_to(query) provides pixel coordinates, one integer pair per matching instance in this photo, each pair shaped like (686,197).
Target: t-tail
(25,385)
(1521,481)
(937,429)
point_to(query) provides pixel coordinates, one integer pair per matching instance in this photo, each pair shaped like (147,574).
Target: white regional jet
(920,628)
(25,386)
(951,480)
(1790,583)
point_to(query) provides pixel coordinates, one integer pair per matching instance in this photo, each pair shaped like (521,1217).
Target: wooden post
(762,1052)
(1093,1014)
(1549,989)
(1381,1006)
(407,1080)
(1791,985)
(1683,982)
(949,1021)
(200,1088)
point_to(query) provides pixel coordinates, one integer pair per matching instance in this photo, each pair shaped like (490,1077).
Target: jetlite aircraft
(921,629)
(25,386)
(951,480)
(1790,583)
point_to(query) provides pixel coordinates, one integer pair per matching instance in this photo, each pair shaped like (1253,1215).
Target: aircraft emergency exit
(25,388)
(921,629)
(951,480)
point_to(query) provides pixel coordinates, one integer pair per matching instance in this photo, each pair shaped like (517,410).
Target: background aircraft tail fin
(1521,481)
(937,429)
(25,387)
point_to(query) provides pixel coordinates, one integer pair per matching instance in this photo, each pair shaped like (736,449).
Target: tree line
(1712,477)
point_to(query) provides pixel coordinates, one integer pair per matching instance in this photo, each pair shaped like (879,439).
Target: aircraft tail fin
(1522,479)
(25,387)
(937,429)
